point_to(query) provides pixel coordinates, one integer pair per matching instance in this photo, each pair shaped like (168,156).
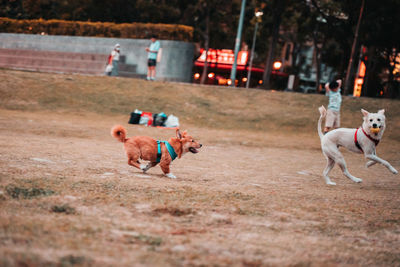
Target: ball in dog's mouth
(193,150)
(375,130)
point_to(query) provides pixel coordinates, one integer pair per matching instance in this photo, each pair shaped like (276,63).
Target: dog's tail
(322,111)
(119,132)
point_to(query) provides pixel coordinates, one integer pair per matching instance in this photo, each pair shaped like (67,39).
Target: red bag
(149,116)
(109,60)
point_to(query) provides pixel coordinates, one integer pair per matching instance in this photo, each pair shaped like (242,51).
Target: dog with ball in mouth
(360,140)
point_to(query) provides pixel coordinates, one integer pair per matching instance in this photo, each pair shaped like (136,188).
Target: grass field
(253,196)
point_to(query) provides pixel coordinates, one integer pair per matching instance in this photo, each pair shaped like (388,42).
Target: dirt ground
(68,197)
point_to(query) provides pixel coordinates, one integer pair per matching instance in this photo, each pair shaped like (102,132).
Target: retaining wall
(71,54)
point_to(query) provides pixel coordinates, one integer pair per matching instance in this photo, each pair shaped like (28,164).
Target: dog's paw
(170,175)
(357,180)
(393,170)
(330,183)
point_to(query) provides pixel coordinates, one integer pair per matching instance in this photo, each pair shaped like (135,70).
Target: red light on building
(220,63)
(359,80)
(357,87)
(361,71)
(223,56)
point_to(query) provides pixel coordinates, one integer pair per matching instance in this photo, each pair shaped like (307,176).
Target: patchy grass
(65,208)
(205,106)
(173,211)
(27,193)
(71,260)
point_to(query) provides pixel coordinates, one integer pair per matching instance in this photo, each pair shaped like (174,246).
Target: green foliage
(98,29)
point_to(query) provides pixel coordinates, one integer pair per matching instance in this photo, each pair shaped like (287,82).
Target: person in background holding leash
(113,61)
(152,52)
(335,100)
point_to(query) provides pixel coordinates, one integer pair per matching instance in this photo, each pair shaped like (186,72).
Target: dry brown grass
(254,196)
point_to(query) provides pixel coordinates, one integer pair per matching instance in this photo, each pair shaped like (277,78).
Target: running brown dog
(149,149)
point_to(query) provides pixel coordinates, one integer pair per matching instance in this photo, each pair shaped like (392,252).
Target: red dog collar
(376,142)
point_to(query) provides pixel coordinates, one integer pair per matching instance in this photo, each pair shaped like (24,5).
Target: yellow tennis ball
(375,130)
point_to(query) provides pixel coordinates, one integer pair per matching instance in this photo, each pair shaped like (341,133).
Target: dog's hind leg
(135,163)
(148,166)
(342,164)
(329,165)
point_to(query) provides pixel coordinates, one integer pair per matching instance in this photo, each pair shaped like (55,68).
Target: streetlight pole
(237,43)
(258,15)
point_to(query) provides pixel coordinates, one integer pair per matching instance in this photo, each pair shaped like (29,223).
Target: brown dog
(148,149)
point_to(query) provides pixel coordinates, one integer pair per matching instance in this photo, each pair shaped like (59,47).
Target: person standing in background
(115,60)
(152,52)
(335,100)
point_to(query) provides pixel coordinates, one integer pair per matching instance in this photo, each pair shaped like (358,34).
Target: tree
(277,7)
(212,21)
(379,31)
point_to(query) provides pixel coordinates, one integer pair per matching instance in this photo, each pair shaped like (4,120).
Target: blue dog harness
(170,149)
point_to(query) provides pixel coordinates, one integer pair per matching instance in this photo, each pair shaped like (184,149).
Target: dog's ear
(381,112)
(184,134)
(364,112)
(178,134)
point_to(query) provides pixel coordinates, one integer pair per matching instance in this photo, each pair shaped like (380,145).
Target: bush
(98,29)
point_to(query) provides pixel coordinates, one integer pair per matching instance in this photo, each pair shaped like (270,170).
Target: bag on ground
(135,117)
(172,121)
(109,68)
(159,119)
(146,118)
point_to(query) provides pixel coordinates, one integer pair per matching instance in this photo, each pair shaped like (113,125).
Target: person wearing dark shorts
(151,62)
(152,52)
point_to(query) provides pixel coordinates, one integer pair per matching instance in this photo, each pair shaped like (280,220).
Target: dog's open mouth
(375,130)
(193,150)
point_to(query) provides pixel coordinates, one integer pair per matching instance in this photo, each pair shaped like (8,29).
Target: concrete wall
(176,63)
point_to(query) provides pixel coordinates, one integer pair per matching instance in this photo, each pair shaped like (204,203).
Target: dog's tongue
(193,150)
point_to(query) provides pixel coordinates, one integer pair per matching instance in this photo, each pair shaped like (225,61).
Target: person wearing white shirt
(115,60)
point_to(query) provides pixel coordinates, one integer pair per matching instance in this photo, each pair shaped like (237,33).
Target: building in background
(220,62)
(305,63)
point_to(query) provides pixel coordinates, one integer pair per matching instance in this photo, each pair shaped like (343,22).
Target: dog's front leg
(165,169)
(381,161)
(370,163)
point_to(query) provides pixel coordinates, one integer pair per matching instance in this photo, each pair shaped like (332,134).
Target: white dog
(361,140)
